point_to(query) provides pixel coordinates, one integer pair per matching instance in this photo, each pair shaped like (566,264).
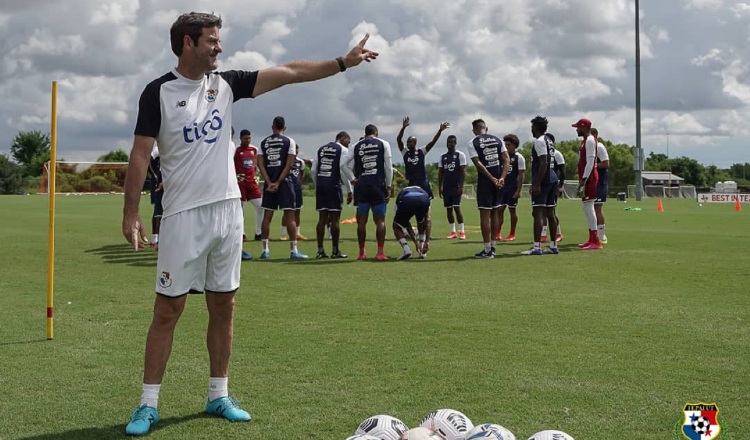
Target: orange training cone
(737,206)
(659,206)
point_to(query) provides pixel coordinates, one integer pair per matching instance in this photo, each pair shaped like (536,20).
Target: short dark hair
(342,135)
(452,136)
(550,136)
(513,139)
(245,132)
(540,122)
(370,130)
(192,25)
(279,123)
(476,122)
(595,132)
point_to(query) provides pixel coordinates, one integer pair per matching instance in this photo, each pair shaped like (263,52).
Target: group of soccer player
(364,173)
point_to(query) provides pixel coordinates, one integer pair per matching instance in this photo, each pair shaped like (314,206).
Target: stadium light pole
(638,149)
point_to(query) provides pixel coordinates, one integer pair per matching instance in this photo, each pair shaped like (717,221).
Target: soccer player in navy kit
(189,112)
(371,165)
(543,186)
(490,156)
(512,189)
(329,172)
(414,158)
(557,163)
(412,201)
(602,187)
(276,156)
(298,175)
(451,176)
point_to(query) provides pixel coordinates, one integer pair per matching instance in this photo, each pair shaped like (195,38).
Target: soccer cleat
(452,235)
(543,239)
(552,250)
(380,257)
(362,257)
(301,237)
(532,251)
(141,420)
(338,254)
(227,407)
(603,240)
(499,237)
(258,237)
(484,254)
(511,237)
(592,246)
(558,237)
(462,235)
(320,255)
(583,245)
(246,256)
(405,256)
(154,245)
(297,256)
(492,251)
(284,237)
(265,255)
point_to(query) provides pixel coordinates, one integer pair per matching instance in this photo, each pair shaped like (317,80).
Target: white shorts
(201,249)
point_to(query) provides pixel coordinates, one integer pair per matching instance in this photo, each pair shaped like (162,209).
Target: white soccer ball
(362,437)
(490,431)
(382,427)
(551,434)
(451,424)
(421,433)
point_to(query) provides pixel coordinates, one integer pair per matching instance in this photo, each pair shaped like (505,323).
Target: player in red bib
(588,179)
(244,165)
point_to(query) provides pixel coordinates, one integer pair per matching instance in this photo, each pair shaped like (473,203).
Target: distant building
(664,178)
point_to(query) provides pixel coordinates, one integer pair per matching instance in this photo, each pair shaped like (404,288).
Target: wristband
(342,66)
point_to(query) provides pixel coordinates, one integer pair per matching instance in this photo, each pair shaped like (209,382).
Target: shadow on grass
(124,254)
(30,341)
(112,432)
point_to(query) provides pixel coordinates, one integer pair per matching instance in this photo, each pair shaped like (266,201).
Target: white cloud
(703,4)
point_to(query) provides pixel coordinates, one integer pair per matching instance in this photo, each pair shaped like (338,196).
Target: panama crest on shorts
(701,422)
(165,279)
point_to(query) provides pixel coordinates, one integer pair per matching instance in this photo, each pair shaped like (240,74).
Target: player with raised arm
(543,185)
(451,177)
(188,111)
(491,158)
(588,180)
(371,165)
(329,172)
(412,201)
(276,156)
(602,167)
(414,158)
(512,189)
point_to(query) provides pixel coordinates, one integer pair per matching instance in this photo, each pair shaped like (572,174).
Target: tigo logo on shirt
(208,129)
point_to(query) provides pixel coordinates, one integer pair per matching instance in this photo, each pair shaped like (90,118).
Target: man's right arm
(400,137)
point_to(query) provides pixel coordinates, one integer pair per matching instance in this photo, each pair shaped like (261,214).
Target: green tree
(114,156)
(11,176)
(29,149)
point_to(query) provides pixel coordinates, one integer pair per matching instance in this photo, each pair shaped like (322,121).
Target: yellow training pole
(51,234)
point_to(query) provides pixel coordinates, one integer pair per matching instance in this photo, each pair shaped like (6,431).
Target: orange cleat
(558,237)
(511,237)
(462,235)
(499,237)
(452,235)
(301,237)
(544,239)
(362,257)
(380,257)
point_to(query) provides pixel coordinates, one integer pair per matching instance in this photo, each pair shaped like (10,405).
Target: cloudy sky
(441,60)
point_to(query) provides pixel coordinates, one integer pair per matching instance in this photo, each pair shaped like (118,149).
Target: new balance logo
(181,103)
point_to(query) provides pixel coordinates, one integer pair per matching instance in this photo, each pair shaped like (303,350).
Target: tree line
(29,150)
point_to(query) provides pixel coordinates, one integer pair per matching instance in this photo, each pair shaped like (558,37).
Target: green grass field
(603,345)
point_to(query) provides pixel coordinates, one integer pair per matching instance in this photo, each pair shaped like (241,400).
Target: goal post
(84,177)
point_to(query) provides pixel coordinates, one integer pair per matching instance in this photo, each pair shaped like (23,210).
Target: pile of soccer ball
(441,424)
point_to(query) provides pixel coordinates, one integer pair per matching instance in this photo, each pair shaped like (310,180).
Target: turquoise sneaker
(297,256)
(227,407)
(265,255)
(141,420)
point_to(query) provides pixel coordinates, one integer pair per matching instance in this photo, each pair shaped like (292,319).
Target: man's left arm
(305,71)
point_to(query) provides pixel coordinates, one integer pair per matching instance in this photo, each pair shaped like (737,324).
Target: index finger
(364,40)
(134,239)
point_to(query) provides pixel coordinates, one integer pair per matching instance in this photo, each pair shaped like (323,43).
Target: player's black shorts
(424,184)
(506,196)
(547,196)
(328,199)
(602,188)
(415,208)
(282,199)
(371,194)
(156,201)
(297,196)
(488,195)
(451,198)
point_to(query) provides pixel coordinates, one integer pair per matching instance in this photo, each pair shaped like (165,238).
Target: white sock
(559,231)
(453,228)
(588,209)
(258,215)
(461,227)
(537,245)
(600,229)
(283,230)
(265,244)
(150,395)
(487,247)
(403,243)
(217,387)
(544,231)
(154,238)
(293,245)
(299,229)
